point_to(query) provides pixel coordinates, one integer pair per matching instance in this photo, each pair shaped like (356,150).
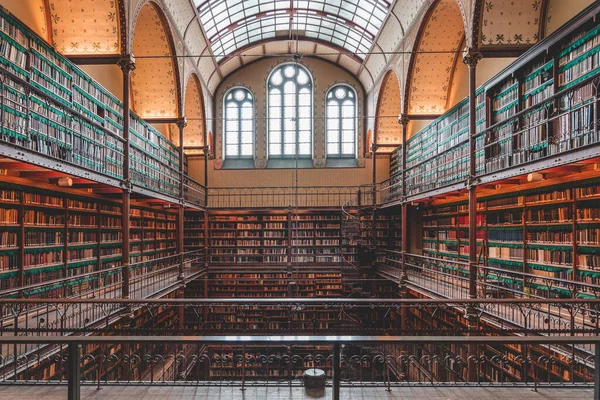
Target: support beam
(471,58)
(74,372)
(181,124)
(127,64)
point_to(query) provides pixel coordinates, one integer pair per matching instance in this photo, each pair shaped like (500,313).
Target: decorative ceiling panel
(349,63)
(32,13)
(433,65)
(153,81)
(194,112)
(327,53)
(560,11)
(81,27)
(234,24)
(387,128)
(407,11)
(230,65)
(511,23)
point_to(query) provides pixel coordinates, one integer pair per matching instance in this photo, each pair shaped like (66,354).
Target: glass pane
(333,148)
(289,149)
(304,149)
(246,150)
(274,150)
(231,150)
(348,148)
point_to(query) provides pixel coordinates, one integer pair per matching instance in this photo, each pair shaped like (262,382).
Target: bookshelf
(540,106)
(48,235)
(548,232)
(52,108)
(275,237)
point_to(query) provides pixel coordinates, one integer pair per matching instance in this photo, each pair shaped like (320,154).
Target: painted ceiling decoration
(440,40)
(194,112)
(387,128)
(84,27)
(234,24)
(154,80)
(511,23)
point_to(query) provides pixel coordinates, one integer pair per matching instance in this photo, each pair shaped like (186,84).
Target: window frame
(239,103)
(269,87)
(340,128)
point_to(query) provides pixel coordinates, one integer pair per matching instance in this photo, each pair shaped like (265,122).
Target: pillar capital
(471,57)
(182,123)
(127,63)
(403,119)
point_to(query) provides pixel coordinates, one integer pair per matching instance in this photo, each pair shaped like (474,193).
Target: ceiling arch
(387,129)
(155,82)
(436,52)
(515,23)
(194,112)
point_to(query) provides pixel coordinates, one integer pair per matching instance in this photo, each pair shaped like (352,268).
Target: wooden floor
(42,392)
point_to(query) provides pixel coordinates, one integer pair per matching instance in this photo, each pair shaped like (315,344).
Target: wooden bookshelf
(551,232)
(53,108)
(540,106)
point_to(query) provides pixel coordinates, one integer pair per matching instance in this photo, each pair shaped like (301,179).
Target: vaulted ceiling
(387,128)
(437,49)
(154,81)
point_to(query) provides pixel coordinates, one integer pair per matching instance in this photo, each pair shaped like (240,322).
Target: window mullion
(239,107)
(340,128)
(282,117)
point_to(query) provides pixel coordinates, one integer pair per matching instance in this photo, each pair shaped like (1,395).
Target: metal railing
(363,361)
(263,197)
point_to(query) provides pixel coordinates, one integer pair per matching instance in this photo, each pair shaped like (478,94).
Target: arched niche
(154,82)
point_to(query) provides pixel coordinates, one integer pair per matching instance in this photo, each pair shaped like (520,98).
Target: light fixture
(535,177)
(65,181)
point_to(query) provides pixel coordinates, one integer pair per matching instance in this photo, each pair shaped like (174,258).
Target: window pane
(304,149)
(290,113)
(239,123)
(246,150)
(348,148)
(333,149)
(274,150)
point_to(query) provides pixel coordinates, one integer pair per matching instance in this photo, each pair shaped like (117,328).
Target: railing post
(336,372)
(74,372)
(597,371)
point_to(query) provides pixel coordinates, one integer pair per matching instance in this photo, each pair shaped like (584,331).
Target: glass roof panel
(350,24)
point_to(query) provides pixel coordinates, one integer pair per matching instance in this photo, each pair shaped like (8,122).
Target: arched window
(341,122)
(238,122)
(290,112)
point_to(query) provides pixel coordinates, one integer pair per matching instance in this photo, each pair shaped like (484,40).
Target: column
(127,64)
(471,57)
(404,120)
(181,124)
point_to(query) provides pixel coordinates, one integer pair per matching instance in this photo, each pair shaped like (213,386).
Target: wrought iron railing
(260,197)
(364,361)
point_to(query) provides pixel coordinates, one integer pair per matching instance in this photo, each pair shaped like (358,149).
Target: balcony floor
(46,392)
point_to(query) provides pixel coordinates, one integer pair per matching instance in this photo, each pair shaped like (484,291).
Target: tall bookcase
(540,106)
(548,232)
(276,237)
(53,108)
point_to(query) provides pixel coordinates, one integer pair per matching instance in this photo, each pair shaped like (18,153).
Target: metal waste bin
(314,380)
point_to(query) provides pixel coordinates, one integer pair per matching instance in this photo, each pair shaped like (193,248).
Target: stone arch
(155,81)
(387,129)
(435,54)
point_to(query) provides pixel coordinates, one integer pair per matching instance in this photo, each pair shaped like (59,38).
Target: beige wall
(109,76)
(560,11)
(31,12)
(286,177)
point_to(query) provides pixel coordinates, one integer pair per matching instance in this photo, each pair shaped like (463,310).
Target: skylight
(233,24)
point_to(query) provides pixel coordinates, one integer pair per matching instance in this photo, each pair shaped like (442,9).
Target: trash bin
(314,381)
